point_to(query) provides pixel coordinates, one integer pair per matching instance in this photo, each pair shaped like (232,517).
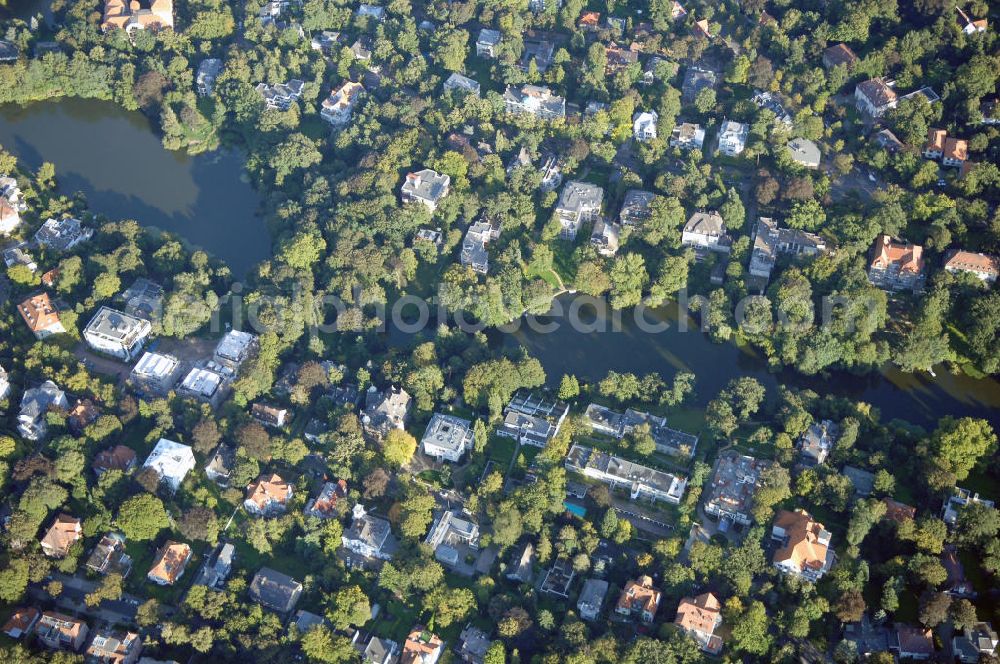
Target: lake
(918,398)
(115,158)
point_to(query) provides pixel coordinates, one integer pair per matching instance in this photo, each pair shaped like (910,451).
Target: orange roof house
(639,598)
(969,26)
(983,266)
(701,27)
(41,316)
(21,623)
(677,11)
(268,495)
(50,277)
(64,532)
(956,152)
(896,265)
(118,457)
(934,147)
(169,563)
(804,545)
(590,20)
(700,616)
(131,15)
(83,413)
(61,632)
(421,647)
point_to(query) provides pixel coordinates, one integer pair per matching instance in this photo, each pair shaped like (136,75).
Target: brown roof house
(699,617)
(84,413)
(169,563)
(421,647)
(874,97)
(839,54)
(268,496)
(41,316)
(64,532)
(896,265)
(934,147)
(60,632)
(639,598)
(113,647)
(986,268)
(118,457)
(21,623)
(269,416)
(804,545)
(275,590)
(898,512)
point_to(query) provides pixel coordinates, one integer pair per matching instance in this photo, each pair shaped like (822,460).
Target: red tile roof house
(639,598)
(896,265)
(699,617)
(64,532)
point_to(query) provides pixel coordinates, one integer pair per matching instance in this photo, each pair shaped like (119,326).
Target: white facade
(172,461)
(733,138)
(117,333)
(644,125)
(447,437)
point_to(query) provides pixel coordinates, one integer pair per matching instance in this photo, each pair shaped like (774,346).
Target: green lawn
(501,449)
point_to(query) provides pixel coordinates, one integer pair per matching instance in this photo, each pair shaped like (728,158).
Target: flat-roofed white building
(155,372)
(447,437)
(203,383)
(234,348)
(116,333)
(640,481)
(172,461)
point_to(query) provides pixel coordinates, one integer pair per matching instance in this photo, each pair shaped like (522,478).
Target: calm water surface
(919,398)
(117,161)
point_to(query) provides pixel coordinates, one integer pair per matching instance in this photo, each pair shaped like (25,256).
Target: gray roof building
(697,79)
(369,535)
(579,202)
(427,187)
(281,96)
(804,152)
(641,481)
(208,71)
(592,598)
(275,590)
(487,42)
(62,234)
(447,437)
(635,207)
(384,411)
(474,252)
(463,83)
